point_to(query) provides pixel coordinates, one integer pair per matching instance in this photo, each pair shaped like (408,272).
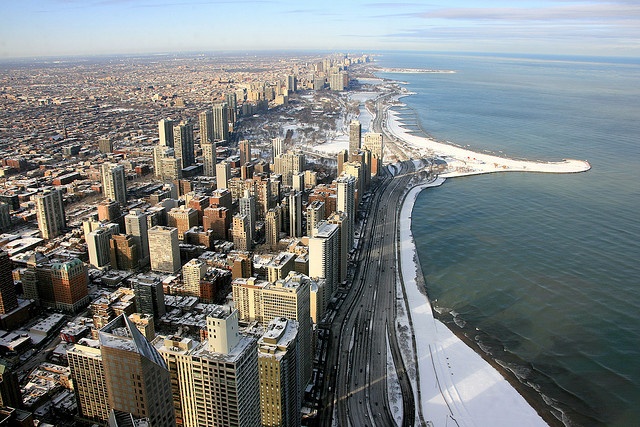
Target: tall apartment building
(375,143)
(164,249)
(277,147)
(218,220)
(8,297)
(241,233)
(290,298)
(50,214)
(70,281)
(166,165)
(135,223)
(247,206)
(221,121)
(340,218)
(279,371)
(206,126)
(149,296)
(183,143)
(208,158)
(232,102)
(105,145)
(192,272)
(165,132)
(272,228)
(136,375)
(98,244)
(315,214)
(223,174)
(89,382)
(288,164)
(182,218)
(216,382)
(324,262)
(244,149)
(295,214)
(114,183)
(355,135)
(124,252)
(346,202)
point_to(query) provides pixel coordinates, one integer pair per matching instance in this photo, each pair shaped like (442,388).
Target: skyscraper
(221,121)
(89,382)
(98,244)
(114,185)
(248,207)
(232,102)
(182,218)
(375,143)
(164,249)
(288,164)
(50,214)
(244,148)
(241,234)
(323,257)
(70,281)
(149,296)
(183,143)
(105,145)
(135,223)
(223,174)
(216,381)
(137,377)
(355,134)
(208,158)
(277,145)
(295,214)
(124,252)
(165,132)
(345,192)
(272,228)
(315,214)
(192,272)
(278,367)
(206,126)
(8,298)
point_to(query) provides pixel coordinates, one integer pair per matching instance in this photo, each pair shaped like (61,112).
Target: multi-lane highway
(355,386)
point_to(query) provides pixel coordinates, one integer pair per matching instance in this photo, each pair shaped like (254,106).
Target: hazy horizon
(50,28)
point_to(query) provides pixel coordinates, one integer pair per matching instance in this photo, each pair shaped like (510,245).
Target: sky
(80,27)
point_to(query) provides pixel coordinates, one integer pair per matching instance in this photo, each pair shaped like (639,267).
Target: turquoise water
(546,267)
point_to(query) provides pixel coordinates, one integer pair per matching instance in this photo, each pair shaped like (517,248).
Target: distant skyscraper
(340,218)
(375,143)
(272,228)
(164,249)
(98,244)
(247,206)
(221,121)
(279,370)
(244,148)
(241,233)
(355,134)
(70,282)
(295,214)
(232,102)
(105,145)
(208,158)
(137,378)
(315,214)
(183,143)
(8,298)
(345,193)
(223,174)
(135,223)
(206,126)
(277,145)
(165,131)
(114,183)
(50,214)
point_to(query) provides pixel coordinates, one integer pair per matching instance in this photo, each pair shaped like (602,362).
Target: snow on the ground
(455,383)
(394,394)
(467,162)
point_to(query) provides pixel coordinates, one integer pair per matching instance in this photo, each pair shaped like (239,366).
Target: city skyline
(74,27)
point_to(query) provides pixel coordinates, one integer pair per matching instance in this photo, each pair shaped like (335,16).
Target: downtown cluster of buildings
(200,278)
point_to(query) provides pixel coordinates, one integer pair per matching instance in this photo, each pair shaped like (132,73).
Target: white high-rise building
(165,132)
(277,145)
(215,382)
(223,174)
(206,126)
(135,223)
(164,249)
(50,214)
(208,158)
(375,143)
(192,272)
(346,202)
(98,245)
(221,121)
(315,214)
(241,233)
(324,262)
(114,183)
(247,206)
